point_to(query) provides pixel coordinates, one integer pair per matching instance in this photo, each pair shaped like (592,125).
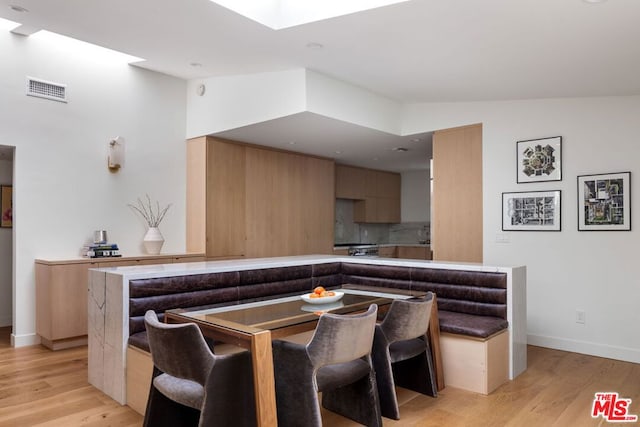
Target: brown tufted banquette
(469,302)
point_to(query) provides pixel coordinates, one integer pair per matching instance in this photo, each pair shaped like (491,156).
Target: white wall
(567,270)
(62,188)
(6,253)
(342,101)
(416,196)
(234,101)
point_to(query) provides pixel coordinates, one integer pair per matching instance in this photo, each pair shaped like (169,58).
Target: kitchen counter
(382,245)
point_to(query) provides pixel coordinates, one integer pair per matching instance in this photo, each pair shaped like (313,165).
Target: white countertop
(183,269)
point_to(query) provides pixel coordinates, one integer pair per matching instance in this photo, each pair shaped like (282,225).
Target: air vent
(47,90)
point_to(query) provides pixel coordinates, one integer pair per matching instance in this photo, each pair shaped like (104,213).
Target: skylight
(7,25)
(87,50)
(279,14)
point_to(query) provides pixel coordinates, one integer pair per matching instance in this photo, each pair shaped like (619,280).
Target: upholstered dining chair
(401,352)
(191,386)
(337,362)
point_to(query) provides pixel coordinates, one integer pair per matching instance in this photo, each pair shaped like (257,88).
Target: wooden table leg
(434,341)
(263,379)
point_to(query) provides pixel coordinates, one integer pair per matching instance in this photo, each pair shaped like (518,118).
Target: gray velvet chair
(337,362)
(401,352)
(191,386)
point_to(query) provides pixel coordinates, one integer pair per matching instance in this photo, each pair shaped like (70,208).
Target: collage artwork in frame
(539,160)
(531,211)
(604,202)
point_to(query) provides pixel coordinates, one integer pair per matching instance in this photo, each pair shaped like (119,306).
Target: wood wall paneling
(290,203)
(225,195)
(456,233)
(259,201)
(196,194)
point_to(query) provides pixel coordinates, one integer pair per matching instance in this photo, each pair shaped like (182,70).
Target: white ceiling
(416,51)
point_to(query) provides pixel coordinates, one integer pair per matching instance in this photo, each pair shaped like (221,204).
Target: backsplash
(347,231)
(410,232)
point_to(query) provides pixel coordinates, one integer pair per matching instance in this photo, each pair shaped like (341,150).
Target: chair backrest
(342,338)
(179,349)
(407,319)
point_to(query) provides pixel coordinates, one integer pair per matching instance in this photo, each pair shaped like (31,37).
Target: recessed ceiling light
(315,46)
(338,152)
(415,140)
(594,1)
(195,64)
(17,8)
(401,149)
(292,143)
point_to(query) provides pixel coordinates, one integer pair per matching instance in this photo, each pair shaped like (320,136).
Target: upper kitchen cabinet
(456,223)
(250,201)
(377,193)
(350,182)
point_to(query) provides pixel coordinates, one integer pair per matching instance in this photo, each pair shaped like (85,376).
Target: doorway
(6,244)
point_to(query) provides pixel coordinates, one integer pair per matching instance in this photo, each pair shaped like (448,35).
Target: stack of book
(101,250)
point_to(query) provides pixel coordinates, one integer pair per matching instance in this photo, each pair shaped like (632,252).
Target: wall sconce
(116,154)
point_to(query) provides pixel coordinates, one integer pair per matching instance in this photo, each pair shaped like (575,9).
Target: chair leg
(229,398)
(296,396)
(357,401)
(162,411)
(386,386)
(417,374)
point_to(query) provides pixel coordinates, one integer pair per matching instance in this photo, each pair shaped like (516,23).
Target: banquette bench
(472,309)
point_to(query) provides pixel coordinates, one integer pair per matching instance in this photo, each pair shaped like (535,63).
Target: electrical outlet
(580,316)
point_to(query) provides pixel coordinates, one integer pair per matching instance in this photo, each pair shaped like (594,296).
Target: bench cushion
(469,324)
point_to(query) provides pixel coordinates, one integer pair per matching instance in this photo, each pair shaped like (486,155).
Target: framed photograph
(531,211)
(539,160)
(604,202)
(6,206)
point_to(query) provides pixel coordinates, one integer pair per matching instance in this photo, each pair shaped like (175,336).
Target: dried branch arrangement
(153,217)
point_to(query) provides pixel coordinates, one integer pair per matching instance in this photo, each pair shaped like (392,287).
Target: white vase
(153,241)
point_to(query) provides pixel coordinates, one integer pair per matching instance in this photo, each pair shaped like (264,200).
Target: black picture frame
(539,160)
(604,202)
(532,211)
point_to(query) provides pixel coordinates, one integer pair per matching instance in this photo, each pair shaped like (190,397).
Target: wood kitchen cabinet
(251,201)
(387,251)
(382,198)
(61,294)
(414,252)
(350,182)
(377,193)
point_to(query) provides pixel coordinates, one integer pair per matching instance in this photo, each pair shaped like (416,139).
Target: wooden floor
(39,387)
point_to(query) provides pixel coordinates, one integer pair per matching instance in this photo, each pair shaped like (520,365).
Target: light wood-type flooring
(39,387)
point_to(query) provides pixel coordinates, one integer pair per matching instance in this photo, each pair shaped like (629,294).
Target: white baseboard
(24,340)
(585,347)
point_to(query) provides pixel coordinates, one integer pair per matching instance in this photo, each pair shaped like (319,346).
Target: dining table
(253,325)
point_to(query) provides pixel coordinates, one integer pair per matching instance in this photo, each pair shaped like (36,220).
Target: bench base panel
(139,372)
(476,365)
